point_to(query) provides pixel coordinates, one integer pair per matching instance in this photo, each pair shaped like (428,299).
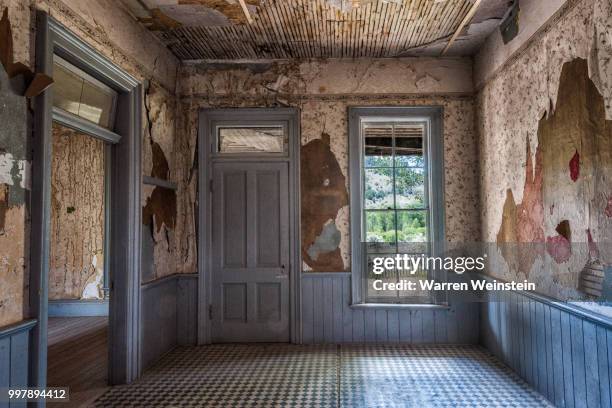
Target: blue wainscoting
(169,315)
(14,346)
(328,318)
(563,351)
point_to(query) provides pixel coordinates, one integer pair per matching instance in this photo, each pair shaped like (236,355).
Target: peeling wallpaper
(323,91)
(545,158)
(76,253)
(14,184)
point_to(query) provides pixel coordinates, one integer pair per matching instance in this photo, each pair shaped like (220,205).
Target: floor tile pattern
(273,375)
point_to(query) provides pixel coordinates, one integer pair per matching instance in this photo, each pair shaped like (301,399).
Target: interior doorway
(79,295)
(249,263)
(85,239)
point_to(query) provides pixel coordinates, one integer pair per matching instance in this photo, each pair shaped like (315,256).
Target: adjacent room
(306,203)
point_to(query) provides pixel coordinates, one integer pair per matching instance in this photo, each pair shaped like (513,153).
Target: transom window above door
(82,95)
(252,139)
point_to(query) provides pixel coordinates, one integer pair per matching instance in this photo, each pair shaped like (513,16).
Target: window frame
(100,130)
(433,139)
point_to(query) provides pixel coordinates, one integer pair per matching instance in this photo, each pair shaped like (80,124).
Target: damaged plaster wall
(76,258)
(108,28)
(160,243)
(323,90)
(14,184)
(545,160)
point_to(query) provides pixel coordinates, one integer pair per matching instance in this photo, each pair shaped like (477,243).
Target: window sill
(407,306)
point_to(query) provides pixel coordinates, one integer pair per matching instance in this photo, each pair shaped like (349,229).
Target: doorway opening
(79,245)
(249,251)
(85,240)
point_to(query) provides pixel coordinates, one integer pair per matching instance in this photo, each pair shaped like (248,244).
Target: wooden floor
(78,357)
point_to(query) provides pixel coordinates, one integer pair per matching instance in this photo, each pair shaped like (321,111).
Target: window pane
(412,226)
(252,140)
(409,145)
(388,276)
(409,188)
(96,104)
(378,145)
(67,89)
(380,226)
(76,92)
(379,188)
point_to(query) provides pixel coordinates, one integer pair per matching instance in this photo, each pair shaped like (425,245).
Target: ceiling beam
(464,22)
(246,11)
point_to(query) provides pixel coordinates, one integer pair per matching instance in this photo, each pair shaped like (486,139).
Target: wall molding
(16,328)
(571,308)
(14,357)
(214,98)
(78,307)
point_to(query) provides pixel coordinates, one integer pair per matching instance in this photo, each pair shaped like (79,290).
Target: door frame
(124,213)
(207,120)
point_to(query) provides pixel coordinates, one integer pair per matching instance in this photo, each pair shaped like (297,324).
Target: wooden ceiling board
(286,29)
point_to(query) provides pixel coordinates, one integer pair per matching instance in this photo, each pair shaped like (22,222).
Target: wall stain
(559,247)
(323,195)
(160,169)
(4,206)
(593,249)
(521,233)
(574,166)
(160,209)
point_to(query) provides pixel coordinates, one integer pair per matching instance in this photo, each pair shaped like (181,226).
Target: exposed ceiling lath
(218,29)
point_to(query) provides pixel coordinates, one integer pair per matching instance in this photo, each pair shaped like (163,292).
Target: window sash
(432,164)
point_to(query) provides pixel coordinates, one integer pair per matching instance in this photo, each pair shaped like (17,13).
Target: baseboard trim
(78,308)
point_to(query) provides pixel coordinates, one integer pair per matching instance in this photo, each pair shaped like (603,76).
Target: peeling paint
(558,248)
(323,195)
(160,209)
(550,96)
(232,10)
(327,241)
(592,245)
(4,206)
(574,166)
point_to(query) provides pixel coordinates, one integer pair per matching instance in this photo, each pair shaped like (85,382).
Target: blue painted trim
(325,274)
(576,310)
(15,328)
(74,308)
(77,123)
(399,306)
(153,181)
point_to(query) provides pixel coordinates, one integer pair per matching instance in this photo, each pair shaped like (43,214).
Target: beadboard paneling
(564,354)
(14,347)
(328,318)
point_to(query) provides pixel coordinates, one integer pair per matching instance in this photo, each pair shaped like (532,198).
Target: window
(81,95)
(395,198)
(253,139)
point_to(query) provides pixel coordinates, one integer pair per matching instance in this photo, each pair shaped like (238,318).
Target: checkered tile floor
(326,376)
